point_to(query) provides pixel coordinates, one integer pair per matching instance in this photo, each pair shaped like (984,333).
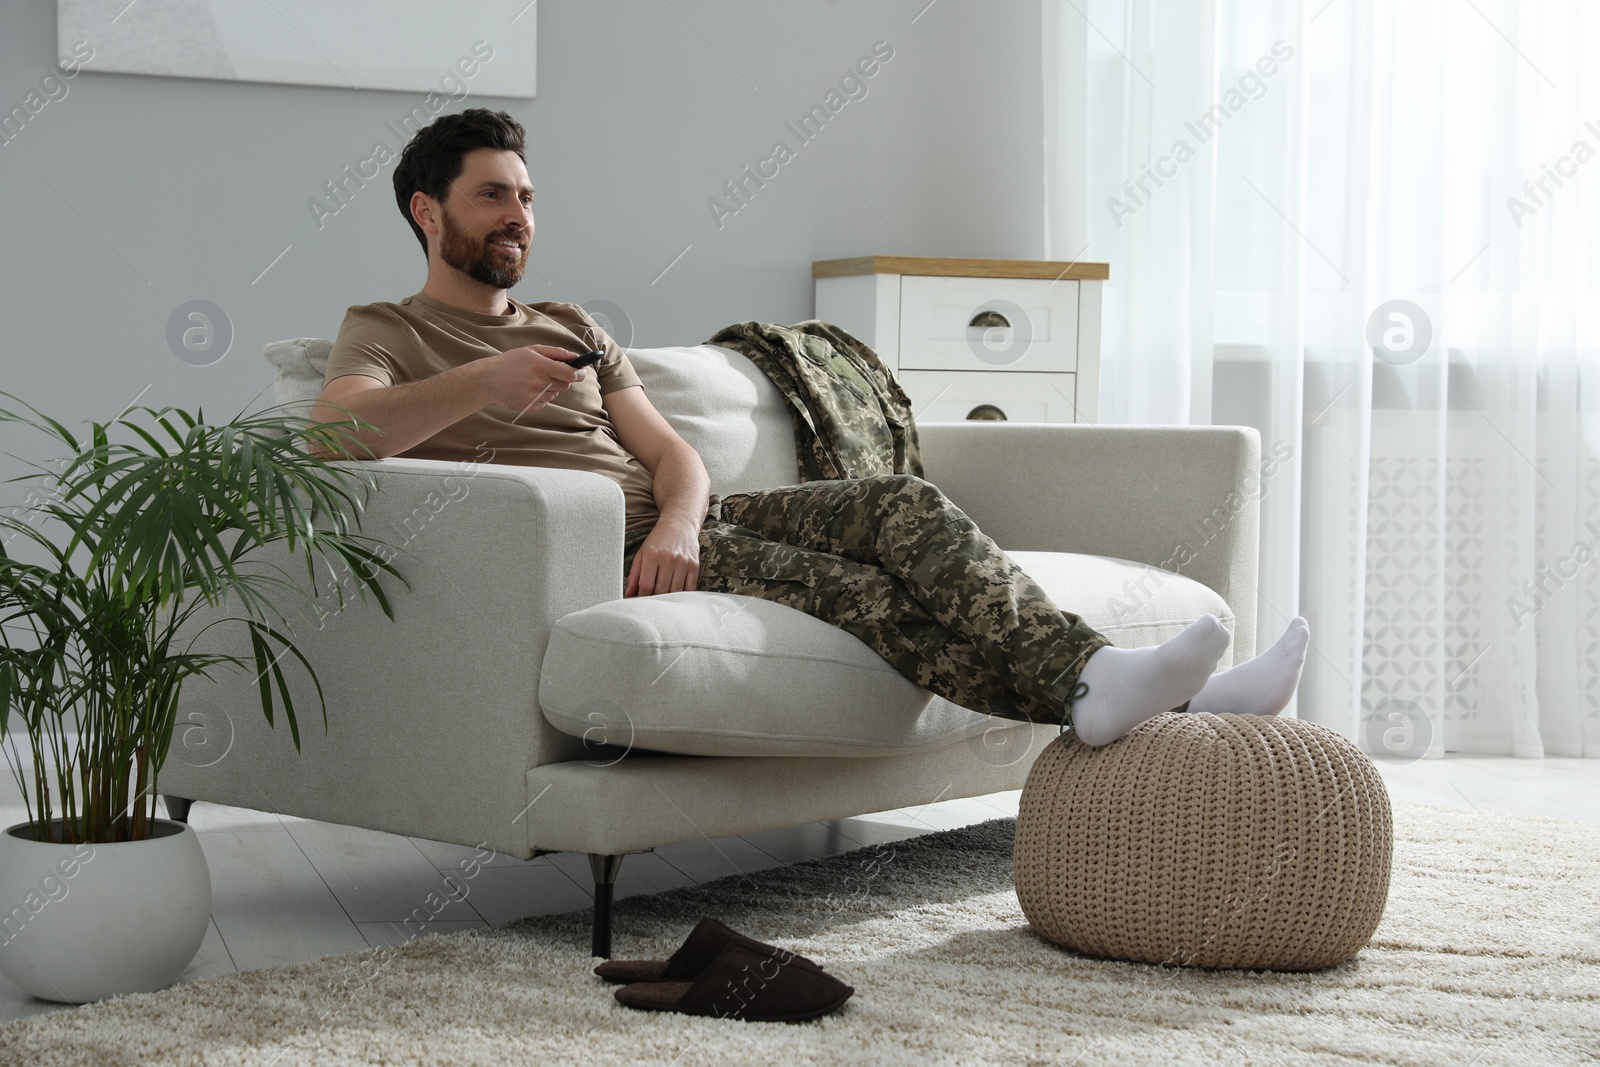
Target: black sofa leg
(177,807)
(605,881)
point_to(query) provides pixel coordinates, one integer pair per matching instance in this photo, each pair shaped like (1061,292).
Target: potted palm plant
(149,518)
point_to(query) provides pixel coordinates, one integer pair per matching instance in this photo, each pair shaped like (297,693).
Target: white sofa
(518,701)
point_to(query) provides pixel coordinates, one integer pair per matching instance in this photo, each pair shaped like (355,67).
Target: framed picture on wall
(424,46)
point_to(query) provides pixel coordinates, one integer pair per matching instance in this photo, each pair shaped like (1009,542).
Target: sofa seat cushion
(1133,604)
(717,674)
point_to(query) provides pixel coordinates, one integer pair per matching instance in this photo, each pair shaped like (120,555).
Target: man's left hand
(667,562)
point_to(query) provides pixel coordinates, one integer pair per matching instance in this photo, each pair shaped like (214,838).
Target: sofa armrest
(433,719)
(1184,498)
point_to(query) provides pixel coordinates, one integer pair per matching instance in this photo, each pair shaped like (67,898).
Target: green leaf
(156,514)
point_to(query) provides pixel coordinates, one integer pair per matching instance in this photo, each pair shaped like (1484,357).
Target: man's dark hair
(432,159)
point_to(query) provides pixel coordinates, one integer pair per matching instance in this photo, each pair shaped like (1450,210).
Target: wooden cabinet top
(961,268)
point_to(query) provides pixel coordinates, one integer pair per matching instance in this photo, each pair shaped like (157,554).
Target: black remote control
(588,359)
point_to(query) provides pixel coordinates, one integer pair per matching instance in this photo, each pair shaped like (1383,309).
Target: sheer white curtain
(1367,228)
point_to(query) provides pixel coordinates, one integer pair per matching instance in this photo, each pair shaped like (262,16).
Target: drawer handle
(1000,333)
(987,412)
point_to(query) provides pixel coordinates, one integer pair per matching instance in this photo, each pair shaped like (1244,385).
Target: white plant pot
(85,922)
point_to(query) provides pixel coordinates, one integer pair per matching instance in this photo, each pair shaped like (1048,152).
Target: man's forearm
(405,415)
(682,486)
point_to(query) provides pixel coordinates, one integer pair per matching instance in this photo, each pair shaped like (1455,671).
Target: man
(461,371)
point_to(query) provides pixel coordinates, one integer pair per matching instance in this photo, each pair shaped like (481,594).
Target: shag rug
(1487,954)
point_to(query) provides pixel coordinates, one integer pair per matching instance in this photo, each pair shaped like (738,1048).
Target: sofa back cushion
(715,399)
(728,409)
(299,364)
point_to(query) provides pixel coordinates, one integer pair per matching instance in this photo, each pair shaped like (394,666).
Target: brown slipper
(743,983)
(696,953)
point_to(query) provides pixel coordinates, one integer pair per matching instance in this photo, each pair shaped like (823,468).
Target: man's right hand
(526,379)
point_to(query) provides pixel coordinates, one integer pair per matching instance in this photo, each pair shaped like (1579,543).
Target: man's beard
(479,260)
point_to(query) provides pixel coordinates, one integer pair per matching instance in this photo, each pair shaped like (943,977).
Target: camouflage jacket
(851,418)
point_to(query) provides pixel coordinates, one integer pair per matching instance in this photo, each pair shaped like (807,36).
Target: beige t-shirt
(420,337)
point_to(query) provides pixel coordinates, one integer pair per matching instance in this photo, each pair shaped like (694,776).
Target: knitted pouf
(1207,841)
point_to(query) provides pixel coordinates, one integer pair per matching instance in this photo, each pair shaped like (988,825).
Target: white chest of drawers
(975,338)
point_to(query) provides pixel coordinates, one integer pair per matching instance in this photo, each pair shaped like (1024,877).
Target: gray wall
(182,189)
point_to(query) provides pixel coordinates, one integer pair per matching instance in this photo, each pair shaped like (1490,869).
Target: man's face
(486,221)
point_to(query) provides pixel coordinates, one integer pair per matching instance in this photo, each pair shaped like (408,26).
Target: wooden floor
(288,889)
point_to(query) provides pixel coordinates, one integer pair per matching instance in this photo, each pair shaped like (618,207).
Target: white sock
(1262,686)
(1129,685)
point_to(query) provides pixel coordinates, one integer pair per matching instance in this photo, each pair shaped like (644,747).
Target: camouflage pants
(891,560)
